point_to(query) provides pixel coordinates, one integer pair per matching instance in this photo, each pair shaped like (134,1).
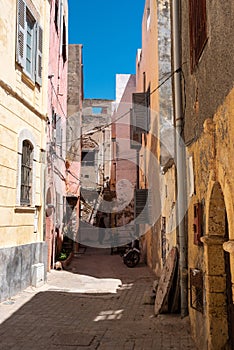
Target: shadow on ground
(58,320)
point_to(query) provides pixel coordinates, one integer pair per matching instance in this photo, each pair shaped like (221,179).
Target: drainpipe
(180,159)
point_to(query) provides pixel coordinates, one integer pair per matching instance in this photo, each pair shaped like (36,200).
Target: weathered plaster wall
(213,163)
(74,115)
(16,272)
(92,177)
(124,156)
(154,64)
(168,198)
(212,80)
(208,132)
(147,77)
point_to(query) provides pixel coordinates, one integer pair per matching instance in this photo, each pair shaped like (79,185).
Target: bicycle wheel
(132,259)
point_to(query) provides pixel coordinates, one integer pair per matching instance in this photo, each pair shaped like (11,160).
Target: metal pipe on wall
(180,158)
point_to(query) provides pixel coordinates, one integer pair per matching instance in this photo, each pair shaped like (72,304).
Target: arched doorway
(219,310)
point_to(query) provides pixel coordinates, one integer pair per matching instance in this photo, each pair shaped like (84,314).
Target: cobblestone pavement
(62,319)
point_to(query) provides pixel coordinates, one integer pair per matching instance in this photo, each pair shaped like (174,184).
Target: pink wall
(57,102)
(126,165)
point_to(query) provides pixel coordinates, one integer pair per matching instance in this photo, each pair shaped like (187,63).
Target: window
(64,47)
(142,206)
(97,110)
(139,117)
(56,14)
(148,18)
(26,173)
(196,289)
(26,169)
(29,43)
(87,158)
(198,30)
(135,134)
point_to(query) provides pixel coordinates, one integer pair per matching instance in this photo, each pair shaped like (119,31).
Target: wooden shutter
(135,135)
(198,29)
(21,33)
(142,206)
(39,44)
(140,117)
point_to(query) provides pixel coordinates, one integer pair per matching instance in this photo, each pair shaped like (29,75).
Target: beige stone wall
(214,187)
(168,198)
(23,106)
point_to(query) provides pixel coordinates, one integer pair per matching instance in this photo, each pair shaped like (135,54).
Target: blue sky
(110,32)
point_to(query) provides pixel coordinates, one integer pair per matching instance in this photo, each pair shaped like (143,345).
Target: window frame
(24,16)
(26,135)
(197,30)
(56,15)
(26,173)
(88,162)
(30,18)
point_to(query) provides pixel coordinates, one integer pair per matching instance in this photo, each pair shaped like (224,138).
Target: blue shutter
(21,33)
(39,44)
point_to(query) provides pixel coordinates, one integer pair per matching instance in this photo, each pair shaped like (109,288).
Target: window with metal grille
(26,173)
(196,289)
(198,30)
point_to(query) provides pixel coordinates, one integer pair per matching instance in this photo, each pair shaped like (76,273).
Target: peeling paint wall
(96,113)
(213,159)
(153,66)
(208,132)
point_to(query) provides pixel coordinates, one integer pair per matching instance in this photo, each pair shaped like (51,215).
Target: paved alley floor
(61,315)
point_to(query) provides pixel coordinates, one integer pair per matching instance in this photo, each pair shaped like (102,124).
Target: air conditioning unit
(37,275)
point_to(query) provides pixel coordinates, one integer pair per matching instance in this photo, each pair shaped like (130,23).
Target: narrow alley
(58,317)
(116,131)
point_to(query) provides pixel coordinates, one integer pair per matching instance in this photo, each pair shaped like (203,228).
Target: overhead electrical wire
(103,127)
(98,129)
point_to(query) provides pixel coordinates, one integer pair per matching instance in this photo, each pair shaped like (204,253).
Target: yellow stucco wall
(213,168)
(23,106)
